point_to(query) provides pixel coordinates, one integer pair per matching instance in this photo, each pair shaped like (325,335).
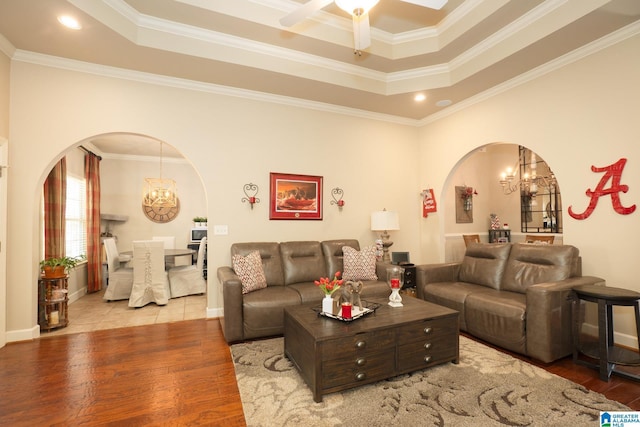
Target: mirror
(540,199)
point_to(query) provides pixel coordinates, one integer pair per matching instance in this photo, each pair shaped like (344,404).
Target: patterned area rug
(486,388)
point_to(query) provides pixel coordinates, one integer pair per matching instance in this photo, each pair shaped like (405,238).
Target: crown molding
(569,58)
(138,76)
(6,47)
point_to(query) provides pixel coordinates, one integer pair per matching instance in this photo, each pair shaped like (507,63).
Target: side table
(605,350)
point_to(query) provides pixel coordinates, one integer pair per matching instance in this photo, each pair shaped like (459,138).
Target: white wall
(4,136)
(581,115)
(229,141)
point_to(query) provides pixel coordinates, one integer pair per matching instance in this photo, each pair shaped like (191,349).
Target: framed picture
(295,196)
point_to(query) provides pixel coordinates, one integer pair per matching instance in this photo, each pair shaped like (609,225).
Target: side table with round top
(607,353)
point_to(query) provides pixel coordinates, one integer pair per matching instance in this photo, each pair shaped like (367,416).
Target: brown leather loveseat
(290,269)
(513,295)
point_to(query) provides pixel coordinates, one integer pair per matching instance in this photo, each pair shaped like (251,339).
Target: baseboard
(77,295)
(214,312)
(625,340)
(24,334)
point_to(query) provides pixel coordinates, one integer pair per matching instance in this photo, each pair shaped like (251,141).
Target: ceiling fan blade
(361,32)
(303,11)
(431,4)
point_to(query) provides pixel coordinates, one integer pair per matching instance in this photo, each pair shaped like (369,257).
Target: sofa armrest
(435,273)
(232,320)
(549,323)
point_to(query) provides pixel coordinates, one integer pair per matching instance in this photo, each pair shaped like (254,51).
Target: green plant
(200,219)
(65,261)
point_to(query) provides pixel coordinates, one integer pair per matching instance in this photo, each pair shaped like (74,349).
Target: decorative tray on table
(356,313)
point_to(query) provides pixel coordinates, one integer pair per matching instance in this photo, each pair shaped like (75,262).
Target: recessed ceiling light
(444,103)
(420,97)
(69,22)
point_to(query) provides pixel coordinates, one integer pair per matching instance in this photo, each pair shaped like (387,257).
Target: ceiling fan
(359,9)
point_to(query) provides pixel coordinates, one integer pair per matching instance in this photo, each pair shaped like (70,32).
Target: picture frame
(294,196)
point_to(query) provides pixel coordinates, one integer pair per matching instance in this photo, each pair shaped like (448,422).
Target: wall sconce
(250,191)
(336,195)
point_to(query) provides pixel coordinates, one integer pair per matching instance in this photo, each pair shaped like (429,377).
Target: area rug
(486,388)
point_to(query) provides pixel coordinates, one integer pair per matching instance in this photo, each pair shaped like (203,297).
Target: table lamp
(385,221)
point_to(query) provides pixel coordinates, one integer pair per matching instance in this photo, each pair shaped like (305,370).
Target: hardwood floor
(177,373)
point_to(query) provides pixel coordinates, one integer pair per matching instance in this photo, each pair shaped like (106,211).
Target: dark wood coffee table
(332,355)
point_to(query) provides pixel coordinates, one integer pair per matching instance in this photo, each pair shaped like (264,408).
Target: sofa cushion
(249,270)
(531,264)
(359,265)
(263,311)
(333,256)
(302,261)
(498,317)
(484,264)
(271,260)
(452,295)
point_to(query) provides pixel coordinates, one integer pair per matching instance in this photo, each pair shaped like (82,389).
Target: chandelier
(530,182)
(158,192)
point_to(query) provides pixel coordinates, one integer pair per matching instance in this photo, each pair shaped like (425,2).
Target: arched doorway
(127,159)
(481,170)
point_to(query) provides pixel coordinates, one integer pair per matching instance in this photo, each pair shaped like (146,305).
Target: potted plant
(200,221)
(55,267)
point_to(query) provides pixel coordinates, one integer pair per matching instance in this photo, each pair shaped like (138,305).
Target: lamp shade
(384,221)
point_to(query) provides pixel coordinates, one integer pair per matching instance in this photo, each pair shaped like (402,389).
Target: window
(76,221)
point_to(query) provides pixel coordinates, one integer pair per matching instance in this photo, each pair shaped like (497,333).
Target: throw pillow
(359,265)
(249,269)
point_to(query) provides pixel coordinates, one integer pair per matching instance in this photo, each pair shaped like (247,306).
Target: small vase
(327,304)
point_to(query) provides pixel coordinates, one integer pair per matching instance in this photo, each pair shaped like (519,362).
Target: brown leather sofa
(516,296)
(290,269)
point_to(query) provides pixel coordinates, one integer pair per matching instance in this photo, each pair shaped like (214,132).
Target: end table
(605,351)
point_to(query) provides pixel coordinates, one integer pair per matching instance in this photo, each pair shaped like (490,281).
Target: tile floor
(92,313)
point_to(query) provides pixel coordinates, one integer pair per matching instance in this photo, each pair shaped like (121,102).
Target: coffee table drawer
(428,329)
(358,369)
(432,351)
(359,344)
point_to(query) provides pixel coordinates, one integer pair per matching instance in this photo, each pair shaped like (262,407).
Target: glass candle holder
(395,280)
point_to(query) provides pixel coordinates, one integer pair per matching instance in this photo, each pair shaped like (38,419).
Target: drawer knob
(408,273)
(427,345)
(360,376)
(361,344)
(427,359)
(361,361)
(428,330)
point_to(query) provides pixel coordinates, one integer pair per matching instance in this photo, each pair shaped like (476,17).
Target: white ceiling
(453,54)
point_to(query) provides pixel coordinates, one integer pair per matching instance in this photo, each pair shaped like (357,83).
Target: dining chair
(471,238)
(150,282)
(120,279)
(539,240)
(189,279)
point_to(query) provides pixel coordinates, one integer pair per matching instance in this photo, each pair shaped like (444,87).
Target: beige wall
(581,115)
(121,192)
(229,141)
(4,136)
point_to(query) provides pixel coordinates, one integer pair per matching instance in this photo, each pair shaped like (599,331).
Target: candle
(54,318)
(346,310)
(395,283)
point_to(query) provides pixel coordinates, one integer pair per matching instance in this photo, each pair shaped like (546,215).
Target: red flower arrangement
(469,192)
(329,286)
